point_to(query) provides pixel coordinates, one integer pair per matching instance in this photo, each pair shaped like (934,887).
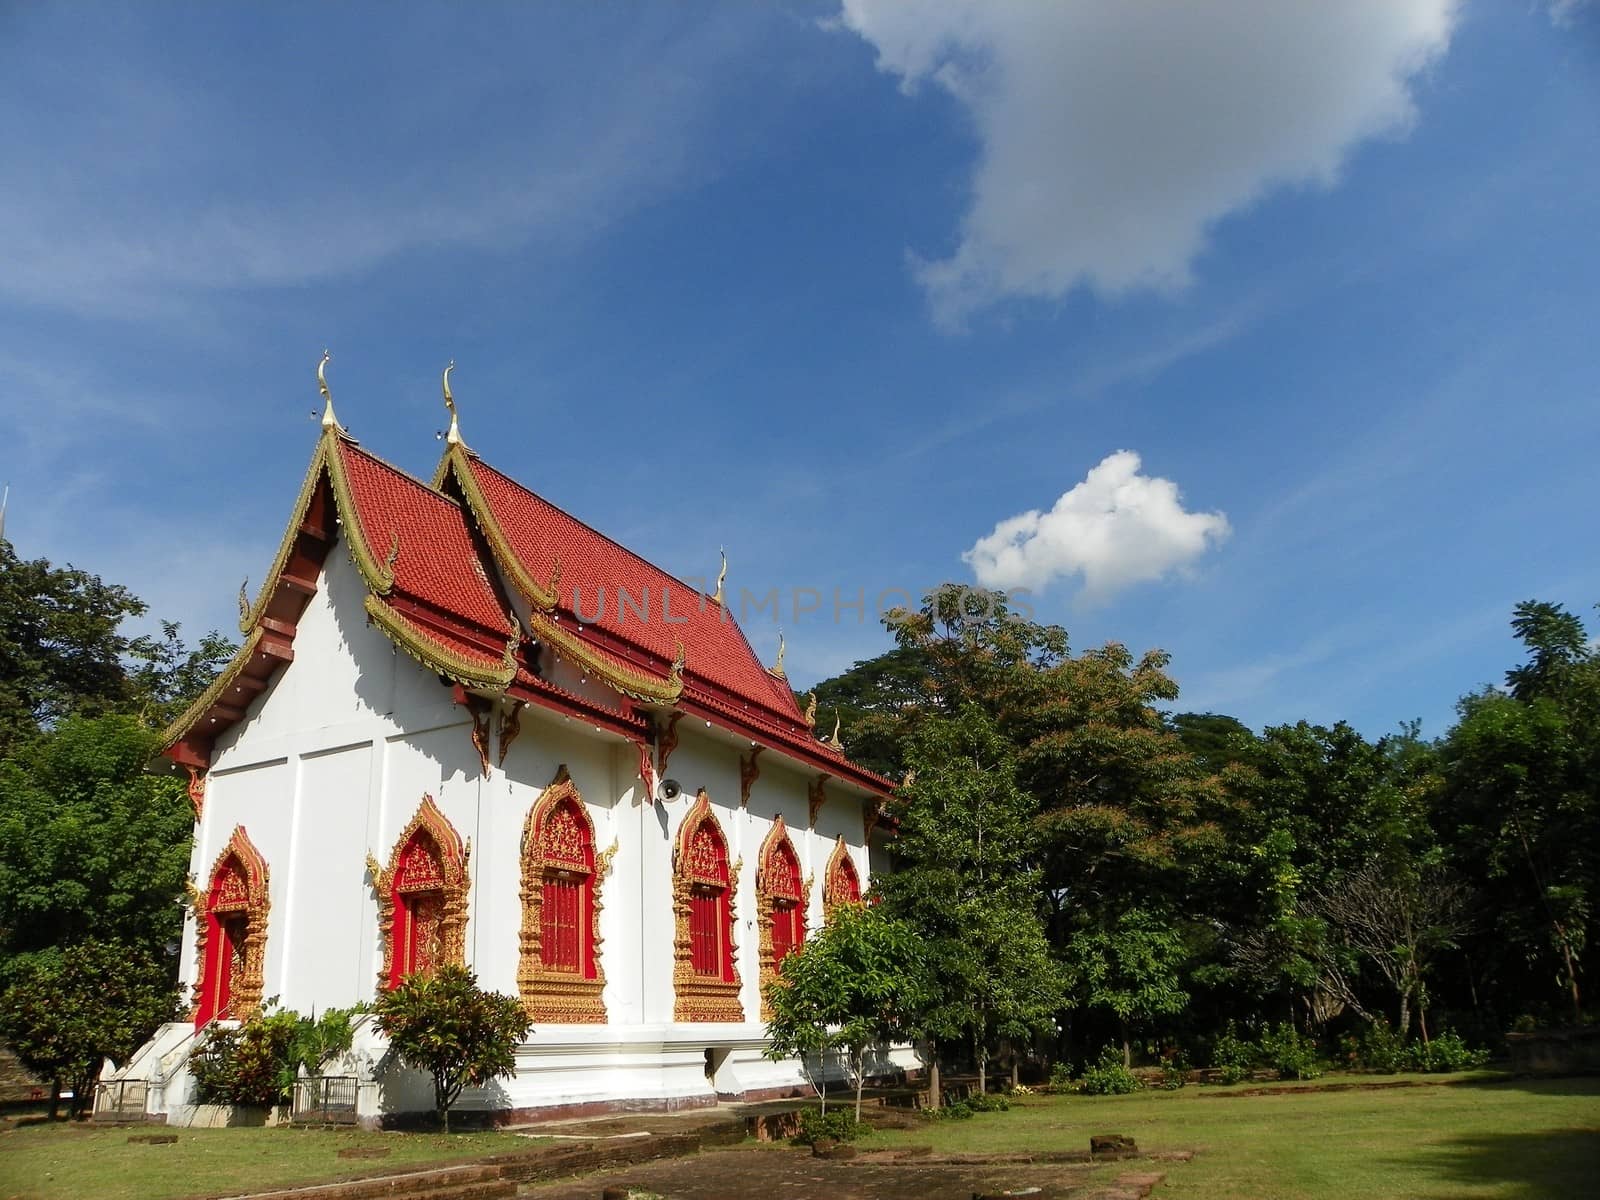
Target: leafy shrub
(1173,1078)
(460,1034)
(1061,1075)
(961,1110)
(988,1103)
(251,1064)
(1021,1089)
(840,1125)
(1447,1052)
(1232,1056)
(1381,1049)
(1108,1077)
(258,1062)
(1289,1053)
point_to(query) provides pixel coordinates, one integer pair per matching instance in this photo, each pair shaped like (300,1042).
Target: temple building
(455,733)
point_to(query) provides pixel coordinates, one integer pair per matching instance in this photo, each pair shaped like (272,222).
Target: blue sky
(873,296)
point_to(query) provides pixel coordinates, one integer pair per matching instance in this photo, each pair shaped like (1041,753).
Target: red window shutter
(561,941)
(705,934)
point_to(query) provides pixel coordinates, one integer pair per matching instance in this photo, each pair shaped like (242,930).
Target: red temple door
(227,927)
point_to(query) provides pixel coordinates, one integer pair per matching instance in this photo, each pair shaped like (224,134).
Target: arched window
(841,885)
(422,898)
(780,904)
(559,973)
(231,938)
(706,984)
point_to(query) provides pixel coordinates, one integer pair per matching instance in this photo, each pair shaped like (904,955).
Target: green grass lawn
(59,1161)
(1510,1140)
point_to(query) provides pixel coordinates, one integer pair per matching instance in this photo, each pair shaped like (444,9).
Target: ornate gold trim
(324,458)
(225,679)
(699,997)
(456,460)
(749,772)
(197,793)
(257,902)
(510,726)
(453,858)
(840,865)
(629,680)
(767,897)
(816,797)
(433,653)
(558,996)
(666,744)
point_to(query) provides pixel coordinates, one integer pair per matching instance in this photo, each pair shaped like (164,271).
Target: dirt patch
(797,1175)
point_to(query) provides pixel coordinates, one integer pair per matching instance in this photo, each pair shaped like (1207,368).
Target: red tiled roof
(438,564)
(593,565)
(445,606)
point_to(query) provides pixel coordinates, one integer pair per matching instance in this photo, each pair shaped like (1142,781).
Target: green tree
(1129,969)
(90,844)
(459,1033)
(857,983)
(964,882)
(60,649)
(1521,812)
(68,1010)
(166,675)
(63,652)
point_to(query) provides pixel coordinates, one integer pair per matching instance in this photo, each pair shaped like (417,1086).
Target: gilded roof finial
(721,577)
(777,667)
(834,740)
(453,438)
(811,709)
(678,663)
(329,421)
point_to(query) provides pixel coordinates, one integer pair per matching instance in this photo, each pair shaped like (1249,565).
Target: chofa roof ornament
(453,438)
(329,421)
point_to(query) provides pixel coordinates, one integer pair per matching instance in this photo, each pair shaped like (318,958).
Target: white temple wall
(328,942)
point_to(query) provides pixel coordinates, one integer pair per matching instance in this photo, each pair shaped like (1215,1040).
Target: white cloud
(1116,528)
(1113,135)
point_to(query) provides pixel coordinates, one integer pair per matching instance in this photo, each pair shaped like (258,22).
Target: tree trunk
(1572,975)
(980,1055)
(861,1078)
(1127,1046)
(55,1098)
(1016,1070)
(935,1092)
(1405,1015)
